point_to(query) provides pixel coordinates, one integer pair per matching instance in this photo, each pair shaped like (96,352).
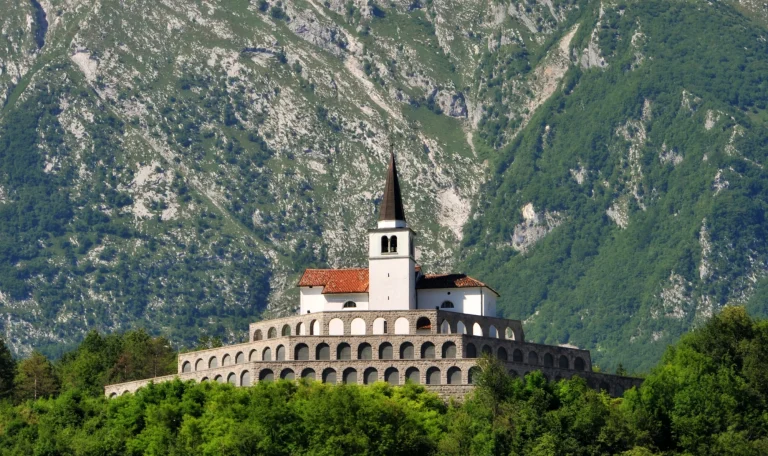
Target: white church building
(387,322)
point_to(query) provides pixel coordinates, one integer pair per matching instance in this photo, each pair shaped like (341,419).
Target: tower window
(384,244)
(350,304)
(393,244)
(446,305)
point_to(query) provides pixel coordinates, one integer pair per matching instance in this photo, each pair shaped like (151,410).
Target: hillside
(176,164)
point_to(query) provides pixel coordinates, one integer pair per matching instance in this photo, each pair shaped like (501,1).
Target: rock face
(177,164)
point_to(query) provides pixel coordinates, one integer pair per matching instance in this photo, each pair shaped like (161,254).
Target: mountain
(175,164)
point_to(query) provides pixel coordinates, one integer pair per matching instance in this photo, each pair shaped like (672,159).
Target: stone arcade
(386,322)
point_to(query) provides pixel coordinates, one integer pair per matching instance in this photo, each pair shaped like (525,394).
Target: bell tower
(391,261)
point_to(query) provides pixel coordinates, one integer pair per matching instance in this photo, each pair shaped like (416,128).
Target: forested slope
(175,164)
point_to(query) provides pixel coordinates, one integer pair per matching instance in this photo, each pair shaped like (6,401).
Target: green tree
(35,378)
(7,370)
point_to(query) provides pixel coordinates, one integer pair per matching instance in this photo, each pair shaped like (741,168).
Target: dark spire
(392,205)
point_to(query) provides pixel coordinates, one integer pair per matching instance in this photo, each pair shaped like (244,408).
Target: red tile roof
(336,280)
(431,281)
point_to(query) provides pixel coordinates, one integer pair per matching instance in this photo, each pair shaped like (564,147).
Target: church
(388,322)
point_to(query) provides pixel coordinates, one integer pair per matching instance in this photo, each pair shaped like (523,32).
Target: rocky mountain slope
(174,164)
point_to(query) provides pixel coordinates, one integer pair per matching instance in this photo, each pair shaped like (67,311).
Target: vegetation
(655,134)
(708,396)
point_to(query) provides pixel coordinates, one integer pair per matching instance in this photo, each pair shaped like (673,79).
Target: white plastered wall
(473,301)
(313,300)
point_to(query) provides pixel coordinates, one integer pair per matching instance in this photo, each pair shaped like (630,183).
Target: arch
(393,244)
(257,335)
(563,362)
(618,391)
(371,375)
(513,373)
(392,376)
(266,375)
(343,351)
(113,395)
(349,305)
(266,355)
(509,334)
(379,326)
(533,357)
(301,352)
(301,329)
(549,360)
(454,376)
(286,331)
(364,351)
(322,352)
(213,363)
(245,378)
(218,378)
(449,350)
(126,392)
(280,353)
(308,373)
(253,355)
(517,356)
(349,376)
(486,350)
(501,354)
(272,333)
(186,367)
(413,375)
(204,379)
(428,350)
(474,371)
(287,374)
(336,327)
(314,328)
(461,328)
(385,351)
(406,351)
(579,364)
(492,332)
(226,360)
(232,379)
(384,244)
(357,327)
(199,364)
(477,330)
(604,386)
(423,325)
(470,351)
(402,326)
(447,305)
(433,376)
(239,358)
(329,376)
(445,327)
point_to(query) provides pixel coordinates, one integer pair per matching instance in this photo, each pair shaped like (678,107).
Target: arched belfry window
(350,304)
(384,244)
(446,305)
(393,244)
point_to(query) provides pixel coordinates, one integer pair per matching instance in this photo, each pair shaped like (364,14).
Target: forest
(706,396)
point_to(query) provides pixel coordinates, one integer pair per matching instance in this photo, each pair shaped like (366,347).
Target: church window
(384,244)
(350,304)
(393,244)
(446,305)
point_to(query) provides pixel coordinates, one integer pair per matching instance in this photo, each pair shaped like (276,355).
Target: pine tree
(7,370)
(35,378)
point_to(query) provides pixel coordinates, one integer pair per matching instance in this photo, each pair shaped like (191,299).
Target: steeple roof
(391,208)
